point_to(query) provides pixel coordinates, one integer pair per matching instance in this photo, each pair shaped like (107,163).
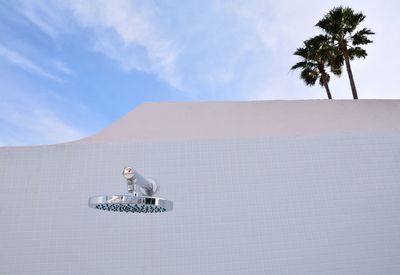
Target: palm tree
(317,53)
(340,25)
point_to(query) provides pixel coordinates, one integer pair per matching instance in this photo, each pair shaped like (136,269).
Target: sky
(71,68)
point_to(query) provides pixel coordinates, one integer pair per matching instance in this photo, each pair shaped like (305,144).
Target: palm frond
(336,63)
(331,23)
(351,19)
(357,52)
(309,75)
(298,65)
(303,52)
(361,37)
(321,79)
(319,48)
(337,59)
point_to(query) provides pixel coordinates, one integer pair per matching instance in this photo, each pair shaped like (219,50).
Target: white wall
(321,205)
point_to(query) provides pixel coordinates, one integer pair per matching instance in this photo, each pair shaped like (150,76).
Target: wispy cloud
(25,63)
(62,67)
(38,20)
(33,122)
(127,32)
(131,33)
(44,15)
(41,125)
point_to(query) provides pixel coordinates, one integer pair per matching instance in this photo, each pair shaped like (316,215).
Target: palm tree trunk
(325,81)
(350,73)
(328,92)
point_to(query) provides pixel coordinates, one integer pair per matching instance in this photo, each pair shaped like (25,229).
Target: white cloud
(42,125)
(25,63)
(33,122)
(129,33)
(62,67)
(29,12)
(45,15)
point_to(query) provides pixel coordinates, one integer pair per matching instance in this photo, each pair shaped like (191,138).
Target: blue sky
(70,68)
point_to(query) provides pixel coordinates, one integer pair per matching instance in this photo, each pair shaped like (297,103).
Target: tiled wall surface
(323,205)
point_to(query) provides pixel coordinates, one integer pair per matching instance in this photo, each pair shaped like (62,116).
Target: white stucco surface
(324,203)
(252,119)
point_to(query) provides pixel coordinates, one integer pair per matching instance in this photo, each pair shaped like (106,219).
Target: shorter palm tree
(317,54)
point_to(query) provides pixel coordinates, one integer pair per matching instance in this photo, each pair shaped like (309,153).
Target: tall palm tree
(316,54)
(340,25)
